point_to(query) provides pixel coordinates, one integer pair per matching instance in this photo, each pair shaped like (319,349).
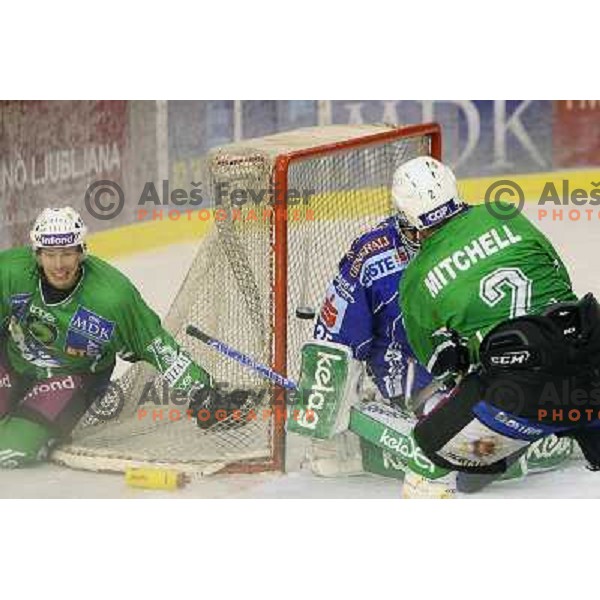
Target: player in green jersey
(488,303)
(64,317)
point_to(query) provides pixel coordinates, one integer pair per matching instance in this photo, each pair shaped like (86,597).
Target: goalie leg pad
(390,429)
(330,383)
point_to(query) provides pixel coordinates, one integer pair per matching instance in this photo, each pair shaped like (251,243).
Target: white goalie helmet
(425,193)
(58,228)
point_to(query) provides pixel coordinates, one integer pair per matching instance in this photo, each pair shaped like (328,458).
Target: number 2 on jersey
(494,288)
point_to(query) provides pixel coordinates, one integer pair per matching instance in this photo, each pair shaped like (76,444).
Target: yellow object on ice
(156,479)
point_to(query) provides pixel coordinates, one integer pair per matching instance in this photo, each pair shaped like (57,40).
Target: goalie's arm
(346,314)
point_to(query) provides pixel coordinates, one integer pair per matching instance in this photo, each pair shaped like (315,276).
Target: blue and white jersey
(362,309)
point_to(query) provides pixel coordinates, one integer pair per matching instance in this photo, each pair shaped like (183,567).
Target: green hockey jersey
(475,272)
(103,316)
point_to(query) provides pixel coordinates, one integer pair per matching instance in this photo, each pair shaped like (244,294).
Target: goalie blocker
(329,386)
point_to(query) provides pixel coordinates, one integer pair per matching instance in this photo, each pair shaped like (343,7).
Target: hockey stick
(241,358)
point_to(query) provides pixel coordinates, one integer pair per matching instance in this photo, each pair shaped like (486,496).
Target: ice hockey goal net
(262,261)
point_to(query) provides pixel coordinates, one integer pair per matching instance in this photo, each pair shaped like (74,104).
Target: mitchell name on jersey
(486,245)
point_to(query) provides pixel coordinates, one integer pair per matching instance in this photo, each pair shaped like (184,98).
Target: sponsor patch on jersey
(177,369)
(344,288)
(165,354)
(88,333)
(19,304)
(333,310)
(31,349)
(42,314)
(91,325)
(380,266)
(367,249)
(45,333)
(80,346)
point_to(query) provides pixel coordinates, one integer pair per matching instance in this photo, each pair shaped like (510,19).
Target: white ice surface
(158,275)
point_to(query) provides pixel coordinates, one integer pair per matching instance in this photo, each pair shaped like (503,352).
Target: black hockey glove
(210,405)
(451,355)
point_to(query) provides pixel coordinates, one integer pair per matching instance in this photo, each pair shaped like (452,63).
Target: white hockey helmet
(425,193)
(58,228)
